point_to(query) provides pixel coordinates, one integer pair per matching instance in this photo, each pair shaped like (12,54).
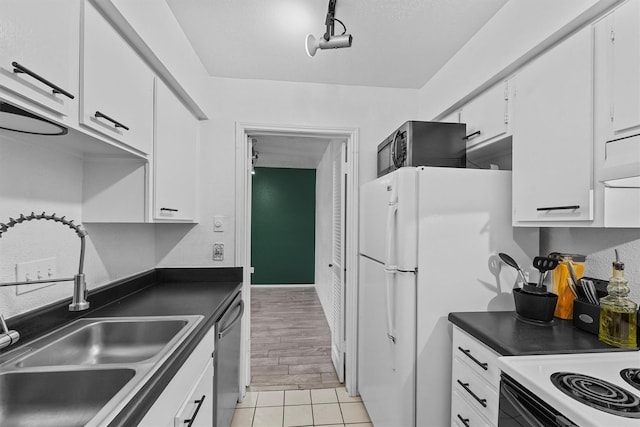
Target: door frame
(243,132)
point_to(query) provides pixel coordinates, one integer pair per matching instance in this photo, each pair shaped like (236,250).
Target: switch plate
(35,270)
(218,223)
(218,251)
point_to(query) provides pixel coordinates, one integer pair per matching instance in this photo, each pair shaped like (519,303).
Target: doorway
(343,343)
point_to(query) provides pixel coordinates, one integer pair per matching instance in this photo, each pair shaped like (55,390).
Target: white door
(245,348)
(337,262)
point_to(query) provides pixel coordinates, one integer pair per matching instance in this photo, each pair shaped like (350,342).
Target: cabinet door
(197,409)
(625,38)
(486,116)
(41,36)
(552,135)
(176,143)
(194,377)
(117,86)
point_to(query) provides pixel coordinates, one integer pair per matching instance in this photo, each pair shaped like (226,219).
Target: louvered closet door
(338,267)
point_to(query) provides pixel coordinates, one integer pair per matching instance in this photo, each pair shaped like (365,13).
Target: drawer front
(477,356)
(475,390)
(463,415)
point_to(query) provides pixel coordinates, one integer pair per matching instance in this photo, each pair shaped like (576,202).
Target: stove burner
(598,394)
(632,376)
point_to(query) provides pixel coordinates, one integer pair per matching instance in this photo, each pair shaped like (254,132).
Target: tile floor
(329,407)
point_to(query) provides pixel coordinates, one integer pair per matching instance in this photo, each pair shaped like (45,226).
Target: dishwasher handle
(226,329)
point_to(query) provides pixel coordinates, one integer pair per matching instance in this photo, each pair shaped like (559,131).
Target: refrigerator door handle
(392,210)
(390,276)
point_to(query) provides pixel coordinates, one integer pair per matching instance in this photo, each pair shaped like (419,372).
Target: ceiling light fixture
(329,40)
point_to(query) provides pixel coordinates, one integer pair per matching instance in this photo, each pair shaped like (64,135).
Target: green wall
(283,220)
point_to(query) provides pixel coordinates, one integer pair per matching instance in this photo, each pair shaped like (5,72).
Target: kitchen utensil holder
(535,306)
(586,316)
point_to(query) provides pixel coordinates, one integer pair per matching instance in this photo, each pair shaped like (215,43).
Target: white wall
(375,111)
(598,245)
(35,178)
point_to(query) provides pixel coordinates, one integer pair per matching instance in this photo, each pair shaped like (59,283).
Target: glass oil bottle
(618,313)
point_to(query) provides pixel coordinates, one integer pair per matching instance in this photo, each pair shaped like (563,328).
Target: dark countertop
(509,336)
(160,292)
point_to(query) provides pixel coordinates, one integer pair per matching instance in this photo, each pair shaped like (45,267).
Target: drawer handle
(117,124)
(479,363)
(17,68)
(483,402)
(472,135)
(190,421)
(559,208)
(465,421)
(169,209)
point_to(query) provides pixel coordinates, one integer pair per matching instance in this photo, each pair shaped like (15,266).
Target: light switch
(218,223)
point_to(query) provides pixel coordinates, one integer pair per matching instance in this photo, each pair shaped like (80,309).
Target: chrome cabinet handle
(190,421)
(465,421)
(559,208)
(479,363)
(483,402)
(117,124)
(18,68)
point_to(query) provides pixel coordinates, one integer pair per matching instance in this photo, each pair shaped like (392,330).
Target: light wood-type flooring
(290,340)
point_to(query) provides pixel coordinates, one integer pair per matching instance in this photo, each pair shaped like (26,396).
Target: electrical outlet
(40,269)
(218,251)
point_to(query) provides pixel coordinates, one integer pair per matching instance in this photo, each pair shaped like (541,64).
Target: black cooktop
(598,394)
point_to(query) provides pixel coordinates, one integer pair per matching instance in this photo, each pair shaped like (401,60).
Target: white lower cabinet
(475,382)
(463,415)
(197,409)
(193,382)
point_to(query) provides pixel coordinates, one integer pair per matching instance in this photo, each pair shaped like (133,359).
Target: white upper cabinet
(625,41)
(553,136)
(487,116)
(175,158)
(39,52)
(117,85)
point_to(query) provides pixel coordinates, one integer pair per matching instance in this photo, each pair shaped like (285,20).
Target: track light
(328,40)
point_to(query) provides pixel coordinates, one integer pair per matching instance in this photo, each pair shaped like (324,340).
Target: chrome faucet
(79,301)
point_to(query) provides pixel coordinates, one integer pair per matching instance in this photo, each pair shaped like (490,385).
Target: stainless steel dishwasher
(226,377)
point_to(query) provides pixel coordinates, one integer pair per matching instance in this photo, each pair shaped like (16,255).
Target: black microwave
(417,143)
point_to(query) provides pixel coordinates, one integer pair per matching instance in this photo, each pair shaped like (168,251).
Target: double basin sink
(86,372)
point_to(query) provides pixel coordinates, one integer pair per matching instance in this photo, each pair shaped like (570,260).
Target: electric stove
(590,390)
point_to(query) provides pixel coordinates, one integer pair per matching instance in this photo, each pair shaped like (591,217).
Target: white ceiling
(396,43)
(290,151)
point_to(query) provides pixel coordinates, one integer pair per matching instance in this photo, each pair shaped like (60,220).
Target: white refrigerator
(429,244)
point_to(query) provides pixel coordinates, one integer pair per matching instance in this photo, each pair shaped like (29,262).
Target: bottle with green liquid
(618,313)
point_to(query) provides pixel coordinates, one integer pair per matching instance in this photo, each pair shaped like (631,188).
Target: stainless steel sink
(63,398)
(107,341)
(84,373)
